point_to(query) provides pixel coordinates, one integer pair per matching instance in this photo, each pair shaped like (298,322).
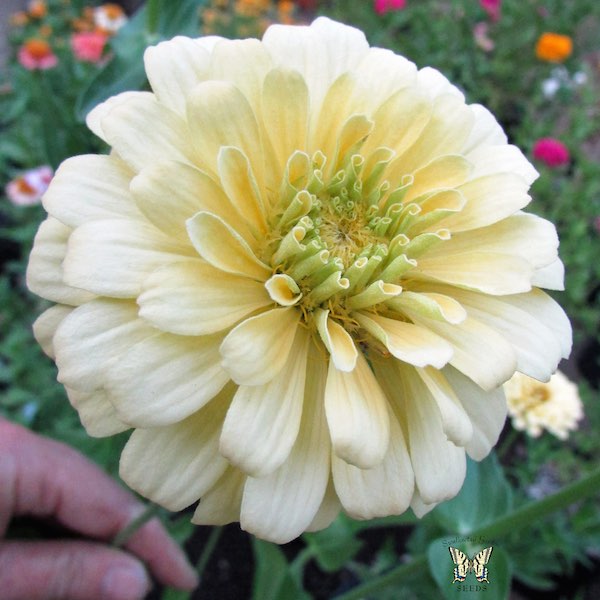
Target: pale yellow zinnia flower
(301,275)
(535,406)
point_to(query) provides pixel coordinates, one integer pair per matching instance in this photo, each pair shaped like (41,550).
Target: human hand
(47,479)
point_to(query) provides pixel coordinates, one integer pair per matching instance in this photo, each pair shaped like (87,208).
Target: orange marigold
(37,9)
(554,47)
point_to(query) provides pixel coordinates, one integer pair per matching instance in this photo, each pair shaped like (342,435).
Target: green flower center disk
(342,240)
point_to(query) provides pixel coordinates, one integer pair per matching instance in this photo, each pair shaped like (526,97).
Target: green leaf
(335,546)
(118,75)
(272,577)
(441,568)
(485,495)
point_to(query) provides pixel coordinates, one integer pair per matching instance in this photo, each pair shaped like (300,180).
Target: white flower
(535,406)
(301,275)
(28,188)
(109,17)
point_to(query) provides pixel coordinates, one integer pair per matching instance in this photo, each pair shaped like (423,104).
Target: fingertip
(125,582)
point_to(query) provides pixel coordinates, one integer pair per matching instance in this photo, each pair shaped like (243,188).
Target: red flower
(36,54)
(383,6)
(551,152)
(492,8)
(88,45)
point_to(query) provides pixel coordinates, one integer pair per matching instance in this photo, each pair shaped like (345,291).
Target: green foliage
(41,122)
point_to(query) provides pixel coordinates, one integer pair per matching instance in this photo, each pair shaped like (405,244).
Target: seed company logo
(465,565)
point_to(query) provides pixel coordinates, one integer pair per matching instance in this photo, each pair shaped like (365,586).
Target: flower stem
(207,551)
(517,519)
(123,536)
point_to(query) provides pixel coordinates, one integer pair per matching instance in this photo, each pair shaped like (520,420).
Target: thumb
(66,570)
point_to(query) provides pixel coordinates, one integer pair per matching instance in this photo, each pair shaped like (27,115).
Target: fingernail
(125,583)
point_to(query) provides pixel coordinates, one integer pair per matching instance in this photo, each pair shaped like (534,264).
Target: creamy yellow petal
(399,122)
(95,117)
(546,310)
(280,506)
(320,53)
(96,412)
(524,235)
(262,423)
(489,199)
(285,111)
(90,187)
(440,136)
(438,464)
(455,420)
(164,378)
(486,130)
(221,504)
(480,352)
(224,248)
(255,351)
(219,115)
(112,257)
(193,298)
(506,158)
(93,335)
(240,185)
(382,490)
(337,340)
(551,277)
(175,68)
(328,511)
(385,71)
(168,193)
(45,326)
(176,464)
(356,409)
(431,305)
(487,411)
(406,341)
(143,131)
(488,272)
(242,62)
(45,275)
(537,349)
(442,172)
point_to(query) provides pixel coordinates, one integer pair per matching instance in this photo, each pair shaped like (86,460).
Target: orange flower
(19,19)
(37,9)
(554,47)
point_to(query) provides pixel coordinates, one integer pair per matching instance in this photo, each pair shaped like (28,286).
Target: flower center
(342,237)
(38,48)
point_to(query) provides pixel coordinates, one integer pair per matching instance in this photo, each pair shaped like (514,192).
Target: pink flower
(383,6)
(492,8)
(482,39)
(28,189)
(88,45)
(36,54)
(551,151)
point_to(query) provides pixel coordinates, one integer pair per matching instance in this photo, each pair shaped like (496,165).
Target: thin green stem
(520,518)
(538,509)
(123,536)
(415,568)
(207,551)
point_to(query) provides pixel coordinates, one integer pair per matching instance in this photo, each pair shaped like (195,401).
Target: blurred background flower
(552,152)
(535,406)
(27,189)
(554,47)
